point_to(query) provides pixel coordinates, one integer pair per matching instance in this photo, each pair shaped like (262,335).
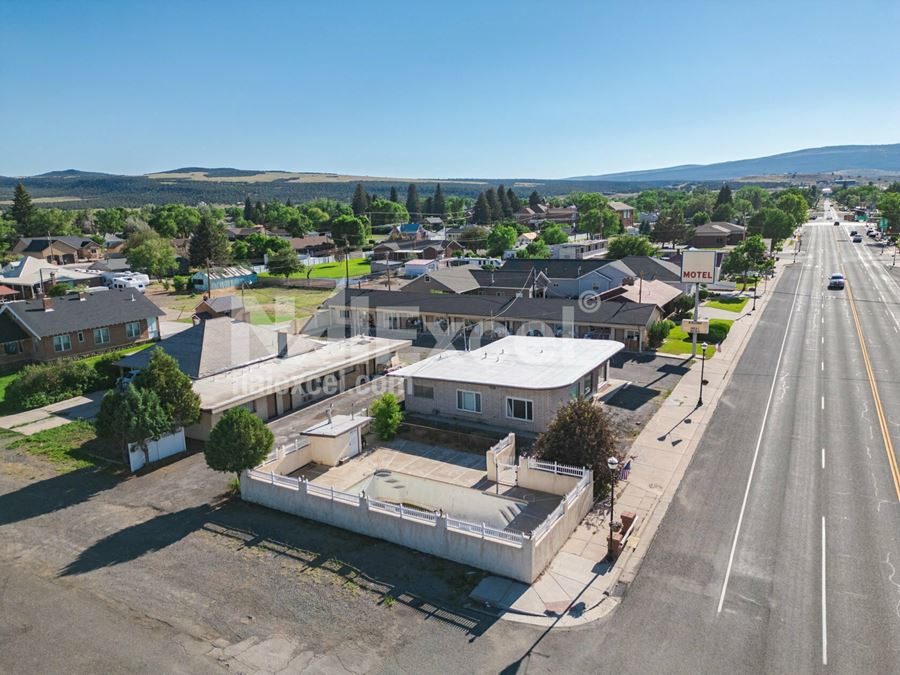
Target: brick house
(59,250)
(75,324)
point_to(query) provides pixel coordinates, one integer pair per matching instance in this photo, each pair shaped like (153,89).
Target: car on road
(857,239)
(836,282)
(853,233)
(837,222)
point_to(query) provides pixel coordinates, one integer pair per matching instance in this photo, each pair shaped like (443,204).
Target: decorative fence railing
(557,468)
(404,512)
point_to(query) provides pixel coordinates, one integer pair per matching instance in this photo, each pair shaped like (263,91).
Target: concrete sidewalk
(579,586)
(53,415)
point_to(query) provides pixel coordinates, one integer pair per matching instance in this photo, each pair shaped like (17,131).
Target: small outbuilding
(223,277)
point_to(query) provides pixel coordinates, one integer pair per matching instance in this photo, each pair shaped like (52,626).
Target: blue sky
(439,89)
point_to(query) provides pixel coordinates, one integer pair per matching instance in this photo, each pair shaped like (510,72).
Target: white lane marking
(823,458)
(824,603)
(822,366)
(762,429)
(823,403)
(823,339)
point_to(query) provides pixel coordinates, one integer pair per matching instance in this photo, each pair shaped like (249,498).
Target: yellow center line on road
(882,420)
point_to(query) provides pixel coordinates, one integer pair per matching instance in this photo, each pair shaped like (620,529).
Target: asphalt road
(788,519)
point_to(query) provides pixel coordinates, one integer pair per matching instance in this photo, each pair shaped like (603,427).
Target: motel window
(133,329)
(422,391)
(101,336)
(587,385)
(519,409)
(469,401)
(251,406)
(632,335)
(62,343)
(11,347)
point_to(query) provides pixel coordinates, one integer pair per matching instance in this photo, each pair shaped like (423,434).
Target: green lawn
(70,447)
(728,304)
(5,408)
(335,270)
(266,304)
(680,342)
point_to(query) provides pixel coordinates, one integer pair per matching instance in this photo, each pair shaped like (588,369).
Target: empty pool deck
(410,460)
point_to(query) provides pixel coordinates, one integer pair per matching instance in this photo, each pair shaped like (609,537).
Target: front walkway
(54,415)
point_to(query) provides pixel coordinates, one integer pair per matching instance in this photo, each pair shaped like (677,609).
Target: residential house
(408,231)
(584,249)
(717,235)
(75,324)
(430,249)
(113,243)
(237,233)
(571,278)
(59,250)
(470,280)
(419,266)
(526,238)
(313,245)
(434,222)
(234,363)
(32,276)
(442,316)
(7,293)
(649,268)
(223,277)
(517,383)
(625,213)
(231,306)
(659,293)
(111,263)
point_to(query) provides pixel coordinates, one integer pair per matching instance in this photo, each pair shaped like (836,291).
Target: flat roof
(240,385)
(339,424)
(518,361)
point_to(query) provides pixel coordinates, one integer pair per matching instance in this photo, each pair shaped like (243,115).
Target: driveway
(54,415)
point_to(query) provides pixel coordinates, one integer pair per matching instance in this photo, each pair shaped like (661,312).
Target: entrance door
(354,443)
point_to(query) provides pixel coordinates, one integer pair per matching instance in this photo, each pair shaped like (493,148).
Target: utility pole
(208,278)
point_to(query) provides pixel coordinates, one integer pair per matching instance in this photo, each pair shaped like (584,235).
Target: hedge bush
(659,331)
(718,331)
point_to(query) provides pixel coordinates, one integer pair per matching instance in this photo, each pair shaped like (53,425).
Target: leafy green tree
(794,205)
(387,416)
(590,221)
(174,220)
(286,262)
(360,203)
(154,255)
(482,210)
(52,221)
(582,434)
(700,218)
(239,441)
(744,258)
(22,209)
(620,247)
(474,237)
(132,416)
(771,223)
(209,242)
(110,220)
(611,223)
(174,389)
(889,205)
(438,204)
(385,212)
(670,227)
(536,249)
(412,202)
(534,199)
(588,201)
(501,238)
(723,213)
(757,196)
(552,233)
(349,231)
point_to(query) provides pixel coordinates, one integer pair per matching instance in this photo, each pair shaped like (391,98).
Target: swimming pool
(433,495)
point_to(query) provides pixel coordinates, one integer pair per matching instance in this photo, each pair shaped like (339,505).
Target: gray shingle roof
(653,268)
(103,308)
(554,268)
(487,306)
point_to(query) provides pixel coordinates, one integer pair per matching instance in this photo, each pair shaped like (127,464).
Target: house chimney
(282,343)
(47,302)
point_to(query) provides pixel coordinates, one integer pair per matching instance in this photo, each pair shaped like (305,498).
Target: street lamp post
(613,464)
(702,374)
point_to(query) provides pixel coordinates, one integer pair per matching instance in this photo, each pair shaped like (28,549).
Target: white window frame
(136,333)
(58,343)
(476,399)
(100,331)
(510,408)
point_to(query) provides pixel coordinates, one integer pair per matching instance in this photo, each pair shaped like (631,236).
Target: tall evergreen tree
(259,212)
(482,211)
(724,196)
(289,202)
(394,197)
(360,203)
(429,206)
(248,210)
(534,199)
(503,200)
(22,209)
(514,202)
(438,204)
(412,202)
(493,204)
(209,242)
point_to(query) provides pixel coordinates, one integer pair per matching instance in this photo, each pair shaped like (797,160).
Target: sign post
(698,267)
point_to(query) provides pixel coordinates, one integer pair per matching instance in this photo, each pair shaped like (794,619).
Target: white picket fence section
(557,468)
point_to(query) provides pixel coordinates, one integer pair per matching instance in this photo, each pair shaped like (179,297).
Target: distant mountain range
(855,160)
